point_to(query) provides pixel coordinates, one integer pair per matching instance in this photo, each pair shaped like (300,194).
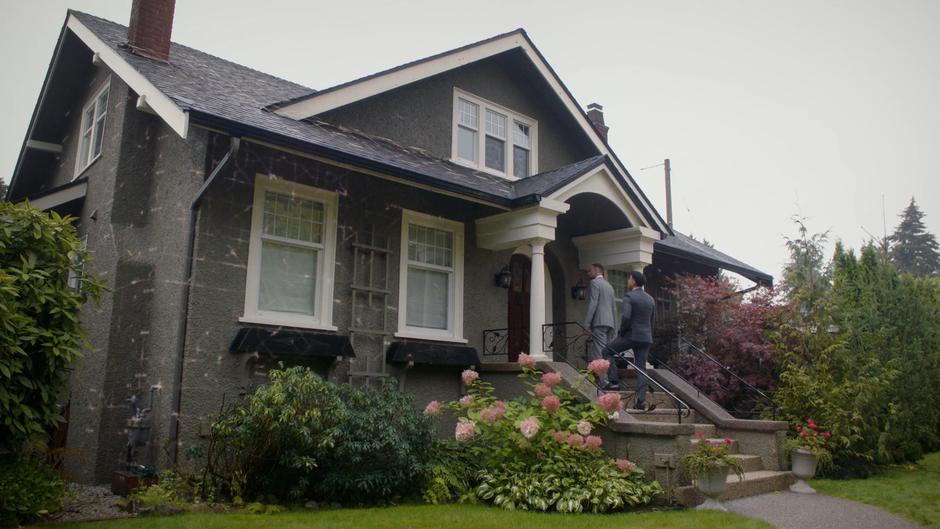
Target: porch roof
(683,246)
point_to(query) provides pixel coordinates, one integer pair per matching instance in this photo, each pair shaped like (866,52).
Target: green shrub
(40,333)
(536,452)
(272,443)
(381,450)
(29,488)
(170,489)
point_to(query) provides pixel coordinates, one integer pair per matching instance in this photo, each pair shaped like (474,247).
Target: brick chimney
(151,25)
(595,113)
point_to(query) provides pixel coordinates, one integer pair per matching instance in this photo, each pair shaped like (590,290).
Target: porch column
(537,299)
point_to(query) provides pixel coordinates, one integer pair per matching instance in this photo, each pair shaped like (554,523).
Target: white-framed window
(492,138)
(618,280)
(91,133)
(291,255)
(430,295)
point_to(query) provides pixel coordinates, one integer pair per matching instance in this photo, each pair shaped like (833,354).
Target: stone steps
(754,483)
(664,415)
(732,448)
(750,463)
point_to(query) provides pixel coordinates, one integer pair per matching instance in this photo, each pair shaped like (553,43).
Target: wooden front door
(519,267)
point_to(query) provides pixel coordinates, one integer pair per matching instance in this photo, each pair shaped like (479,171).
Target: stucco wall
(421,114)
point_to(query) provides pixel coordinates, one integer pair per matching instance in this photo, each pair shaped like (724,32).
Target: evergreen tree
(806,276)
(913,248)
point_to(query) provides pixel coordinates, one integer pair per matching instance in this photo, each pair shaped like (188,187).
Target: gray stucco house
(408,224)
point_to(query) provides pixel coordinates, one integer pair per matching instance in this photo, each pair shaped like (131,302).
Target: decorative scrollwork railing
(496,341)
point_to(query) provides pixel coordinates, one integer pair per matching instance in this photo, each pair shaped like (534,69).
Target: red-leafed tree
(737,330)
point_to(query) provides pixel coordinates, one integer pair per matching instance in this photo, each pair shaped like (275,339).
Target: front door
(518,342)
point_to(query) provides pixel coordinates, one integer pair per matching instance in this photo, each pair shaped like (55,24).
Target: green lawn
(433,517)
(911,491)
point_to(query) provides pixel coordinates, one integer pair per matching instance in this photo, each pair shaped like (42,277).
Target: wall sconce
(503,278)
(579,291)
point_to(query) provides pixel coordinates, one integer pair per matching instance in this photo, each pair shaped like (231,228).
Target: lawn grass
(910,491)
(431,517)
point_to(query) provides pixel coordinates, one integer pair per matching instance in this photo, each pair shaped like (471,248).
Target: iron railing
(496,341)
(557,340)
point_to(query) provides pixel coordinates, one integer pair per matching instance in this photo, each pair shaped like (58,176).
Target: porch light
(503,278)
(579,291)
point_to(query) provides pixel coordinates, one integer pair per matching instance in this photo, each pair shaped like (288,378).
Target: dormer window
(493,138)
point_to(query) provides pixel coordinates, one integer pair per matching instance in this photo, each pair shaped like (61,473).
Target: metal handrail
(731,373)
(496,341)
(682,409)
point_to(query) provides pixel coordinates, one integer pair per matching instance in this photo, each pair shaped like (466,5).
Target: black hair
(599,267)
(638,278)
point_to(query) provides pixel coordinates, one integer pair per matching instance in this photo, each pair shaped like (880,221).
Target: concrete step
(750,463)
(732,448)
(660,399)
(708,429)
(754,483)
(666,415)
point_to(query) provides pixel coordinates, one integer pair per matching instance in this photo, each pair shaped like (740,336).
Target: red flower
(798,427)
(812,425)
(728,441)
(826,435)
(700,434)
(804,432)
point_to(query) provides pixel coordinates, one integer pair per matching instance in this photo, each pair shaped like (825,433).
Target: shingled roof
(681,245)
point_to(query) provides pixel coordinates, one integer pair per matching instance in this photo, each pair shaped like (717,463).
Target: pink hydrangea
(526,360)
(500,404)
(433,408)
(469,377)
(465,430)
(466,401)
(599,367)
(529,427)
(551,403)
(542,391)
(610,402)
(593,442)
(626,465)
(559,436)
(492,413)
(584,427)
(575,441)
(551,379)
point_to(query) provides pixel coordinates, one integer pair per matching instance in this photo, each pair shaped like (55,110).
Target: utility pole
(668,193)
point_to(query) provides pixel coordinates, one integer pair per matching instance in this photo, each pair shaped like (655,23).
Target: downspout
(183,326)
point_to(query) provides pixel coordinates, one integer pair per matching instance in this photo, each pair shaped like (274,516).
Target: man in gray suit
(600,314)
(638,317)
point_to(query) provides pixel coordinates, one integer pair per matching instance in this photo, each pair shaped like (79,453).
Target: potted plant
(807,448)
(708,465)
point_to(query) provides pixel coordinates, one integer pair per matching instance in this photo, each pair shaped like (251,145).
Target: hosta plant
(540,451)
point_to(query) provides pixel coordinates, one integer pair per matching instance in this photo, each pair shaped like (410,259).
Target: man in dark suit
(638,317)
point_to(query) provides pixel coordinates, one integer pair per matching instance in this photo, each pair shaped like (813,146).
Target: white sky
(766,109)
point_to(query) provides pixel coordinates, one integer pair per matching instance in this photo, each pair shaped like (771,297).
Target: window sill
(483,169)
(288,323)
(429,337)
(82,171)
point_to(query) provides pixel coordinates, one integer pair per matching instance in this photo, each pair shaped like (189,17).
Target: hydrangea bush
(541,451)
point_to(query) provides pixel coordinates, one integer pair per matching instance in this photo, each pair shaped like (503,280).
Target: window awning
(290,342)
(432,354)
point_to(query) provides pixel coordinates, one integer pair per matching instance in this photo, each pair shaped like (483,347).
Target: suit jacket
(600,311)
(638,316)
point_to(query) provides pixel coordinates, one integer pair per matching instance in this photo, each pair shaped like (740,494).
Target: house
(408,224)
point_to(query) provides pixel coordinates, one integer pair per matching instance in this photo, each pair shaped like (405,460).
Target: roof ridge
(201,52)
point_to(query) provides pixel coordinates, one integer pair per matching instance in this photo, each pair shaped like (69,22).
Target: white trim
(44,146)
(627,248)
(454,331)
(599,181)
(93,126)
(511,116)
(356,91)
(323,318)
(511,229)
(57,198)
(175,117)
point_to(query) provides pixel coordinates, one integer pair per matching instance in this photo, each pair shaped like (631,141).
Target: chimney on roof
(595,113)
(151,25)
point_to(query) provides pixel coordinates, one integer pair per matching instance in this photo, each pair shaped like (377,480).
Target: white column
(537,299)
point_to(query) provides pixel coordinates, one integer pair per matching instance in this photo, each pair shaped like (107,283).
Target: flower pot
(804,468)
(711,484)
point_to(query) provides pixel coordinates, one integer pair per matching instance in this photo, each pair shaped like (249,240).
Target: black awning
(434,354)
(685,247)
(296,342)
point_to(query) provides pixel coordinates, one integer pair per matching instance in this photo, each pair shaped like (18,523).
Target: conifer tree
(913,248)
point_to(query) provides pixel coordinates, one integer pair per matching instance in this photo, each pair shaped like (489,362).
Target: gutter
(183,325)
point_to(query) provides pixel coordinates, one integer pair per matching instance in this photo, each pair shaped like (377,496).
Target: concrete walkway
(788,510)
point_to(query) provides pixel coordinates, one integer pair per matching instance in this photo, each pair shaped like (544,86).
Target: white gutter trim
(57,198)
(175,117)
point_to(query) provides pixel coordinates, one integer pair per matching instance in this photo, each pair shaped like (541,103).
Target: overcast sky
(766,109)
